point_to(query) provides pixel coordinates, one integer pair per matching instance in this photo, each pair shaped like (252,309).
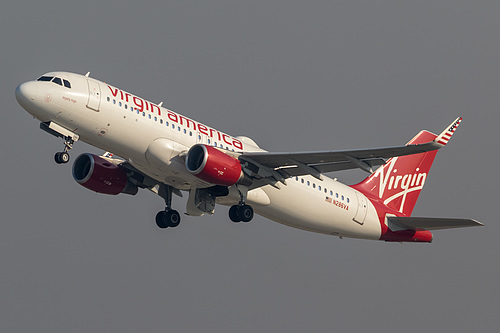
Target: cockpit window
(57,80)
(45,78)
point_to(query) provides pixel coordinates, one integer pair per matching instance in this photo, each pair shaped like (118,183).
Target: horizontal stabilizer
(432,223)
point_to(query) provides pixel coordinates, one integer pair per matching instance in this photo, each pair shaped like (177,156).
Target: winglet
(445,136)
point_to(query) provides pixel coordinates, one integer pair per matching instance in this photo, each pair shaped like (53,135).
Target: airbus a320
(150,147)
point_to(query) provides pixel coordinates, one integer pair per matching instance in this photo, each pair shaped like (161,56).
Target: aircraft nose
(26,93)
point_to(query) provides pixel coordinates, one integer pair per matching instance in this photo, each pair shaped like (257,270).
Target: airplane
(168,153)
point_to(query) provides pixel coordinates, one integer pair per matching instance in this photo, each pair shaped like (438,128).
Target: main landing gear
(168,217)
(241,212)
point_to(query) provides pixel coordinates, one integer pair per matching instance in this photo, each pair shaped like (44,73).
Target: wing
(274,167)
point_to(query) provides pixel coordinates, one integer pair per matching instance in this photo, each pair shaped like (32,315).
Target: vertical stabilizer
(397,184)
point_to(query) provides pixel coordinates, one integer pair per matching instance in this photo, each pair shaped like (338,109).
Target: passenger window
(109,99)
(57,80)
(67,84)
(319,187)
(347,200)
(161,121)
(342,198)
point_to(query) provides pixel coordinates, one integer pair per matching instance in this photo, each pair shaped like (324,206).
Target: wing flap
(329,161)
(432,223)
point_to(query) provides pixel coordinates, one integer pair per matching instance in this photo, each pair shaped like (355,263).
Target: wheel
(64,157)
(173,218)
(233,214)
(161,220)
(57,158)
(246,213)
(61,157)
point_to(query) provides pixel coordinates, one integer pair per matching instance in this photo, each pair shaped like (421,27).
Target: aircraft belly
(307,209)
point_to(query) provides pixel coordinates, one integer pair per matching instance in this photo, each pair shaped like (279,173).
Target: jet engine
(101,176)
(213,166)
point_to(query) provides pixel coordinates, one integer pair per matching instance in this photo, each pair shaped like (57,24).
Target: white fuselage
(116,121)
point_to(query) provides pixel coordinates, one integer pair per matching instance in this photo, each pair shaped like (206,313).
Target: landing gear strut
(241,212)
(69,139)
(168,217)
(63,156)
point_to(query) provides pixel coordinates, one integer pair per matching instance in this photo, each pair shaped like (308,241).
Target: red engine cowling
(99,175)
(213,166)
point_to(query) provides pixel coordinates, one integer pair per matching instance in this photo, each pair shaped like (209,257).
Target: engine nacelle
(213,166)
(99,175)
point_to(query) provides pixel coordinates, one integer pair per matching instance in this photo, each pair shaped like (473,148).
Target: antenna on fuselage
(87,75)
(160,104)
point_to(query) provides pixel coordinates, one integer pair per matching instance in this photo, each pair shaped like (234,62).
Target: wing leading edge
(314,163)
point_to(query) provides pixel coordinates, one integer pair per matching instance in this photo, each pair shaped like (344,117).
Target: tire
(57,158)
(246,213)
(161,220)
(234,214)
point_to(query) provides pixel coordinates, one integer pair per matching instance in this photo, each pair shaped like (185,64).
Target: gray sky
(293,75)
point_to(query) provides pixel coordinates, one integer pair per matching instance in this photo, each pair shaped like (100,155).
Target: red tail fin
(398,183)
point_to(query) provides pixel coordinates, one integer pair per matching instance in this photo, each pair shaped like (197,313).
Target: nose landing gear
(69,139)
(63,156)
